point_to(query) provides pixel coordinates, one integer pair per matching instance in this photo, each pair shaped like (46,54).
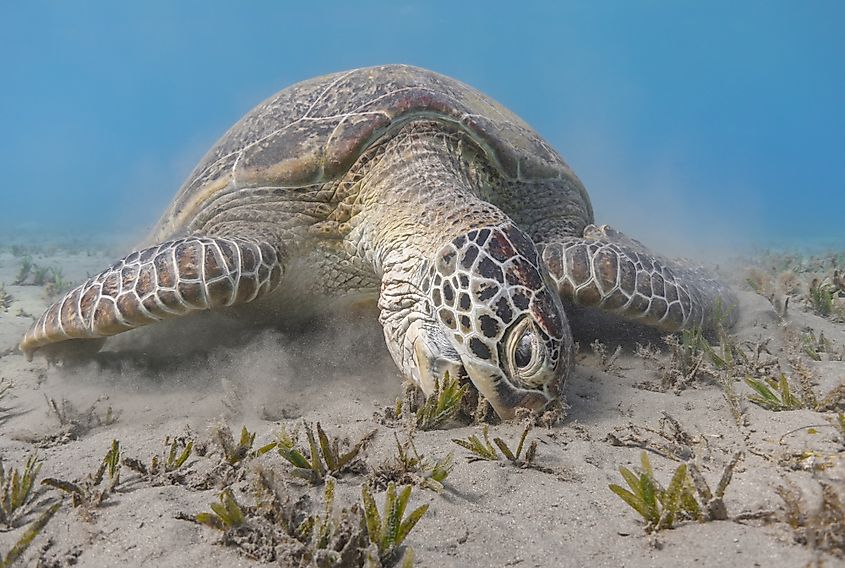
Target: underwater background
(708,129)
(693,125)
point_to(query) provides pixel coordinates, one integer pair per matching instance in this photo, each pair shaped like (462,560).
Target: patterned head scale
(490,295)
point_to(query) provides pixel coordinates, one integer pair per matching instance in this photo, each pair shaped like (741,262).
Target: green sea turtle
(401,185)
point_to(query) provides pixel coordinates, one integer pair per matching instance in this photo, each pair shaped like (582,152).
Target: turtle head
(496,320)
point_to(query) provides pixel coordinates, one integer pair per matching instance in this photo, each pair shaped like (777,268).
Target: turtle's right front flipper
(164,281)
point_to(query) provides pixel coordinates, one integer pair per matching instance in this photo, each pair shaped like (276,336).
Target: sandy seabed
(186,379)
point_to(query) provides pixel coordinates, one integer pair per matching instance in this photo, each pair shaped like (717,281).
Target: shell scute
(313,132)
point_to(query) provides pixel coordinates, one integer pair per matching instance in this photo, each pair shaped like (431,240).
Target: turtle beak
(505,398)
(433,362)
(433,367)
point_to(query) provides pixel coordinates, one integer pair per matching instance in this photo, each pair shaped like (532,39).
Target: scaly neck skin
(419,195)
(422,193)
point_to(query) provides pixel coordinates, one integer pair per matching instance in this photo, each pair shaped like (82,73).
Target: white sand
(491,514)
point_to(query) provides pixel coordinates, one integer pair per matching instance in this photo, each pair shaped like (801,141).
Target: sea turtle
(409,187)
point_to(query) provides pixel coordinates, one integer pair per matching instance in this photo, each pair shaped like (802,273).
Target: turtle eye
(524,350)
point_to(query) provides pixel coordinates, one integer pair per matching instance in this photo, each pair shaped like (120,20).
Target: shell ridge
(320,128)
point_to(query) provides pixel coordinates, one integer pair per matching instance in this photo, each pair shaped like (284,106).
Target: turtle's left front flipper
(608,270)
(165,281)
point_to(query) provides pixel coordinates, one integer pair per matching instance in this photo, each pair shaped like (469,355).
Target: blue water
(712,121)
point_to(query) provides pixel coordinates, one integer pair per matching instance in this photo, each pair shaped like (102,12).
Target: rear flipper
(608,270)
(161,282)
